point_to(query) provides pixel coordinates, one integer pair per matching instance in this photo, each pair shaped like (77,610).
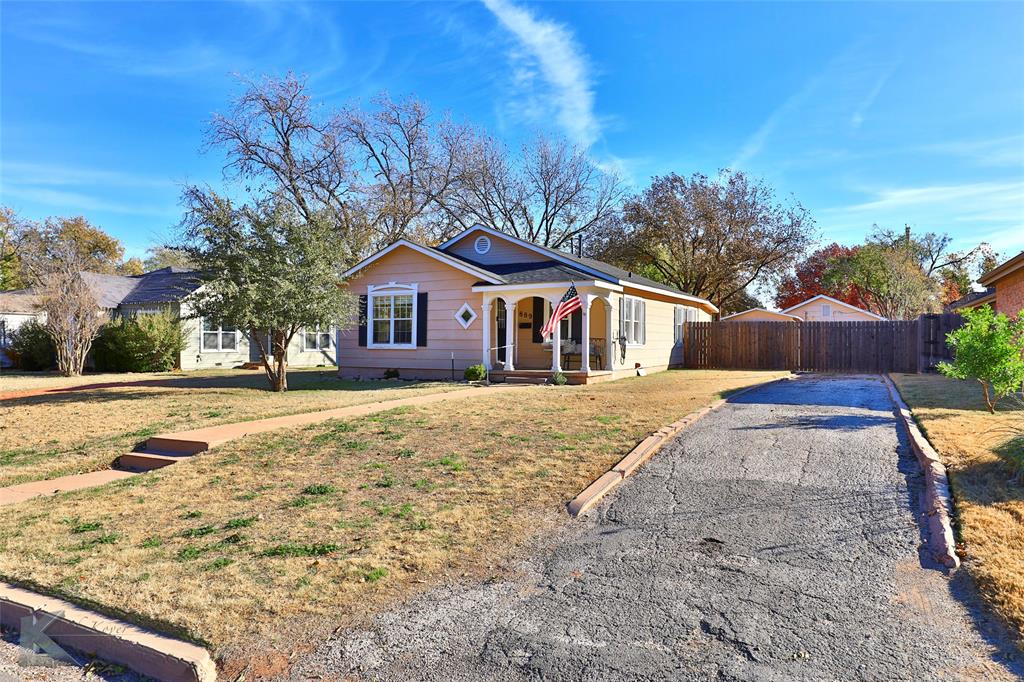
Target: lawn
(78,431)
(280,537)
(976,447)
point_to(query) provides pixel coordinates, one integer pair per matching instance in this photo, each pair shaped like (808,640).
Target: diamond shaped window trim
(465,315)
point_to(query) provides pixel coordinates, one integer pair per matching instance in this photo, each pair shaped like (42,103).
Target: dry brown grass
(67,433)
(15,380)
(309,528)
(976,447)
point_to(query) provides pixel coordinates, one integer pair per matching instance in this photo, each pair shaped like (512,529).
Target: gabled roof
(763,310)
(1002,270)
(436,254)
(836,301)
(166,285)
(588,266)
(975,298)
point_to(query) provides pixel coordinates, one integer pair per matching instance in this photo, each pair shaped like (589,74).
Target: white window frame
(390,290)
(679,318)
(826,310)
(458,315)
(316,331)
(203,331)
(634,320)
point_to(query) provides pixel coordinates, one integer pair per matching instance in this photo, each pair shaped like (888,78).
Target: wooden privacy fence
(887,346)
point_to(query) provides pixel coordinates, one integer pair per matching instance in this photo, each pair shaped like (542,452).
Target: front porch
(542,376)
(581,346)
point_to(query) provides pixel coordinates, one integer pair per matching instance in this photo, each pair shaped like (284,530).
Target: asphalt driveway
(775,539)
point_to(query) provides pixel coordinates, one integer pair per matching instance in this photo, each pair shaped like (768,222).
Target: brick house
(1008,281)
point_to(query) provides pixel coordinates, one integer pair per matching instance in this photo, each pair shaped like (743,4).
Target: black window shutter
(421,319)
(538,319)
(576,326)
(362,320)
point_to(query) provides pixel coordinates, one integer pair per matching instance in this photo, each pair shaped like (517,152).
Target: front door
(501,324)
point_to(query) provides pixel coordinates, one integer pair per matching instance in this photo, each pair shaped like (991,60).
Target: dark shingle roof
(163,286)
(109,290)
(970,298)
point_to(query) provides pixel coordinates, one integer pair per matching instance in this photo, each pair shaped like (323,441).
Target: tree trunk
(988,400)
(281,371)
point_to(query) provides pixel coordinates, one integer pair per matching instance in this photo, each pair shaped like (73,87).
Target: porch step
(526,380)
(147,460)
(176,446)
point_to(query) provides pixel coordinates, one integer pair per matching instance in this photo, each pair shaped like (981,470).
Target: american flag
(569,304)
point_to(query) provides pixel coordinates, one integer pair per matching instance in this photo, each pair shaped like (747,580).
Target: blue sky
(888,113)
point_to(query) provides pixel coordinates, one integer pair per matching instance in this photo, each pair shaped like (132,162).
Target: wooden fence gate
(886,346)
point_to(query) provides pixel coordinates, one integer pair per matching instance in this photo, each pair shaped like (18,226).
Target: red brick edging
(647,448)
(938,502)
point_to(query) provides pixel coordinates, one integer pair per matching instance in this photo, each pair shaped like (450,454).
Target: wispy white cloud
(64,202)
(998,151)
(549,66)
(38,174)
(978,211)
(756,142)
(857,119)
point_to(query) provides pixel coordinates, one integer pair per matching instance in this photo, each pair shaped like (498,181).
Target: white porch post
(556,341)
(609,341)
(585,350)
(510,332)
(487,322)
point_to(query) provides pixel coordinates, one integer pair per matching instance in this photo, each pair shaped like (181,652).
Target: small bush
(391,373)
(475,373)
(558,379)
(988,348)
(143,343)
(31,347)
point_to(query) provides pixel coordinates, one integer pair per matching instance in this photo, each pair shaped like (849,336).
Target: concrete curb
(938,502)
(144,651)
(646,449)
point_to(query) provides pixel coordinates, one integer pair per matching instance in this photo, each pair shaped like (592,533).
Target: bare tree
(551,194)
(408,164)
(277,143)
(73,317)
(711,237)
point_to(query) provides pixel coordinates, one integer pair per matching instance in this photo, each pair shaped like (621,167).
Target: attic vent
(482,244)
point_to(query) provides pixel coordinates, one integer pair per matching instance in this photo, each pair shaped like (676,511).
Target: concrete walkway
(776,539)
(199,440)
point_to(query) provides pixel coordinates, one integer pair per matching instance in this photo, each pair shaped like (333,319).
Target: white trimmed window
(392,316)
(634,320)
(316,339)
(678,319)
(465,315)
(826,310)
(218,338)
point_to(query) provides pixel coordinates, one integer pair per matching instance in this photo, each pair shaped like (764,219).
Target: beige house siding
(659,351)
(447,288)
(812,311)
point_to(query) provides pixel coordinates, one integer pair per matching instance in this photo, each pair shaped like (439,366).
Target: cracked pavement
(774,539)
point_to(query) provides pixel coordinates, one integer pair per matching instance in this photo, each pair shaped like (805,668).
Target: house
(820,308)
(1008,281)
(975,299)
(761,315)
(483,296)
(209,344)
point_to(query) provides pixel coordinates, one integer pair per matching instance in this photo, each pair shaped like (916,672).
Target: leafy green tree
(166,257)
(990,349)
(267,269)
(888,279)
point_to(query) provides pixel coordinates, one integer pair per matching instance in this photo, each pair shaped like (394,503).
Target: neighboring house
(975,299)
(16,308)
(820,308)
(208,344)
(1008,281)
(760,315)
(483,297)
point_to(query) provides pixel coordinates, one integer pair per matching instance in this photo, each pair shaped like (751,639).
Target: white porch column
(585,333)
(510,332)
(487,322)
(556,341)
(609,341)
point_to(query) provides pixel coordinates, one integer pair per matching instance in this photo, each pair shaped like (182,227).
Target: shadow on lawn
(120,391)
